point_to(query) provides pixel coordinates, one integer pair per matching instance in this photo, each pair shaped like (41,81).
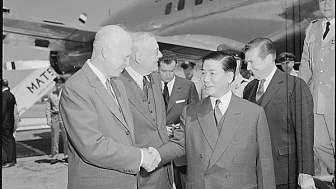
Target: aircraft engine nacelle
(64,63)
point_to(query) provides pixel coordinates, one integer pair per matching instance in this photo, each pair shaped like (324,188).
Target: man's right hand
(151,159)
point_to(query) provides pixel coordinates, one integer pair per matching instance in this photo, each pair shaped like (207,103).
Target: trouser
(56,126)
(8,146)
(179,176)
(324,142)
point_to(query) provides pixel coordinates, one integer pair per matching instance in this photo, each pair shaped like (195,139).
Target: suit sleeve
(303,117)
(175,147)
(266,176)
(193,95)
(306,64)
(82,125)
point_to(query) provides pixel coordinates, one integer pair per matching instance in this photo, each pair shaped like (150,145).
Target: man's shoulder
(314,25)
(184,81)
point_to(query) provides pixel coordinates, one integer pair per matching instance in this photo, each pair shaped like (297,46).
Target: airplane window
(197,2)
(168,8)
(180,5)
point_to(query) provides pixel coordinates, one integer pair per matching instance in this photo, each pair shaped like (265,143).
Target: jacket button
(227,175)
(200,156)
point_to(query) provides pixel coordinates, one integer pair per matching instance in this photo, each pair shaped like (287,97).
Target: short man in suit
(143,88)
(96,115)
(318,70)
(9,123)
(54,120)
(288,106)
(227,139)
(177,93)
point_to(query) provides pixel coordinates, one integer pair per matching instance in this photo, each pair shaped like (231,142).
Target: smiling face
(215,80)
(327,8)
(260,67)
(150,55)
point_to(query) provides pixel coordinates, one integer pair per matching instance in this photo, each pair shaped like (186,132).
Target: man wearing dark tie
(288,106)
(143,88)
(177,93)
(227,139)
(318,70)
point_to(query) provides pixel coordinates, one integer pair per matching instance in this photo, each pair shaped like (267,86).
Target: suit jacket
(318,67)
(184,92)
(239,157)
(151,132)
(288,105)
(7,116)
(100,135)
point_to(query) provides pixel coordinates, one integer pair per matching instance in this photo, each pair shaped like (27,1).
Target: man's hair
(228,62)
(265,46)
(139,38)
(4,82)
(168,57)
(186,64)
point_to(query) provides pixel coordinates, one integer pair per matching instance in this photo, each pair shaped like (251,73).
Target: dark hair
(228,62)
(187,64)
(285,56)
(265,46)
(167,57)
(4,82)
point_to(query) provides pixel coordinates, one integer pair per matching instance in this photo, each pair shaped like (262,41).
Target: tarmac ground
(33,169)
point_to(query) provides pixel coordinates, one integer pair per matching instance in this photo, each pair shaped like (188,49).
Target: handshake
(151,159)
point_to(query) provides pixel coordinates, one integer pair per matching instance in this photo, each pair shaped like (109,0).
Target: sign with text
(33,87)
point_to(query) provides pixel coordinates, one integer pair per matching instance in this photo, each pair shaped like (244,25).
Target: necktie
(217,112)
(327,30)
(166,94)
(109,89)
(145,85)
(260,90)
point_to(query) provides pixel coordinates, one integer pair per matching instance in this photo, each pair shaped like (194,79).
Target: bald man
(98,121)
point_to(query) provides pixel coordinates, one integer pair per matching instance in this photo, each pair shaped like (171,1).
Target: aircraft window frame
(180,5)
(168,8)
(198,2)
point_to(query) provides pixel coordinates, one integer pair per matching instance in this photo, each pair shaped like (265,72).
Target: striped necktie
(217,112)
(109,89)
(260,90)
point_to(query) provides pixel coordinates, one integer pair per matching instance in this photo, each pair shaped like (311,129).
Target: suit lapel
(135,97)
(232,122)
(159,102)
(251,91)
(207,122)
(175,93)
(103,94)
(330,35)
(272,88)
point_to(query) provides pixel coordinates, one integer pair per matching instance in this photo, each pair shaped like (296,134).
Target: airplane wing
(194,46)
(56,36)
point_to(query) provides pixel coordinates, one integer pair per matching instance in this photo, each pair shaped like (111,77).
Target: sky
(55,10)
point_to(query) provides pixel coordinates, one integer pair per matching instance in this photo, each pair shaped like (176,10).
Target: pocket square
(180,101)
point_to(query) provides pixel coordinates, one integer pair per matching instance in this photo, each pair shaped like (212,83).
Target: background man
(227,139)
(288,106)
(177,93)
(287,61)
(142,84)
(189,70)
(54,120)
(96,115)
(318,70)
(10,121)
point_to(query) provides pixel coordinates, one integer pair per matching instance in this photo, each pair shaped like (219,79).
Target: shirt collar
(4,89)
(332,22)
(170,84)
(135,75)
(99,74)
(269,78)
(225,99)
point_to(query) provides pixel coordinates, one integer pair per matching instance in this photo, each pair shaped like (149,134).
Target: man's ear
(269,58)
(230,76)
(104,52)
(137,57)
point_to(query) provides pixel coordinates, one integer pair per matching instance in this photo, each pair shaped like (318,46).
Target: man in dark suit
(9,123)
(288,105)
(227,139)
(97,119)
(177,93)
(142,84)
